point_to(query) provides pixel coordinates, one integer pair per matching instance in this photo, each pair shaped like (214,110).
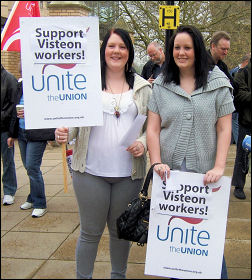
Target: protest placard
(187,226)
(61,72)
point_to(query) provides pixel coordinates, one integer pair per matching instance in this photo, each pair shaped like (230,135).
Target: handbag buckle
(143,197)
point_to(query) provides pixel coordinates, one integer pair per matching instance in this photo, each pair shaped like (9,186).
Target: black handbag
(132,225)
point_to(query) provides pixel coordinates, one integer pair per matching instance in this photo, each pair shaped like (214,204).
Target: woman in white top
(106,176)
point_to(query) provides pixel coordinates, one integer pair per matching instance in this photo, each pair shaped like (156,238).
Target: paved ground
(44,248)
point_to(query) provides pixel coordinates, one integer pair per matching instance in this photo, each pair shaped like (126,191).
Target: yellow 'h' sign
(168,17)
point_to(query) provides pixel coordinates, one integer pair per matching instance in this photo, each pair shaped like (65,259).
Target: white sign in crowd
(61,71)
(187,226)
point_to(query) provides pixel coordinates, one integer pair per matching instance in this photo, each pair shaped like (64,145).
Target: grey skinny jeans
(101,200)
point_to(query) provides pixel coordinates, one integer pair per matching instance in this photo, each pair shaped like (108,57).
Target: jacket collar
(216,79)
(139,83)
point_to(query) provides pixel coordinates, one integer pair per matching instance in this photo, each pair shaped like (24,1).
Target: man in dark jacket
(219,47)
(235,125)
(8,98)
(242,101)
(154,66)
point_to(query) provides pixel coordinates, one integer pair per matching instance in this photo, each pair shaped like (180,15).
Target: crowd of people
(183,131)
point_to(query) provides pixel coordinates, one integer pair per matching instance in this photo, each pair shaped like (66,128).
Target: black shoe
(238,193)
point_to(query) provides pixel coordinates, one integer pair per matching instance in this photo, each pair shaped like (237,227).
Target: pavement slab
(30,245)
(54,269)
(24,268)
(51,222)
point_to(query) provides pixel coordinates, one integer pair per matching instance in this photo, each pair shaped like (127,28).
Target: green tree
(142,18)
(108,13)
(208,16)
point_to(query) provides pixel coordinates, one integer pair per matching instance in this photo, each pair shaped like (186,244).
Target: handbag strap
(144,191)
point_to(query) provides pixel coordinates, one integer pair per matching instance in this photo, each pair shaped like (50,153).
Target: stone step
(238,229)
(238,253)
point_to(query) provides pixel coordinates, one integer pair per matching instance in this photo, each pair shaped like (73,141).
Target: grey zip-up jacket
(141,94)
(188,122)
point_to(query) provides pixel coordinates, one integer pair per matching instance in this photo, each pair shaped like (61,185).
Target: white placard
(61,71)
(187,226)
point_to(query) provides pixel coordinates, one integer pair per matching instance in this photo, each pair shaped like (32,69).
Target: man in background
(244,62)
(8,99)
(154,66)
(219,47)
(242,101)
(235,125)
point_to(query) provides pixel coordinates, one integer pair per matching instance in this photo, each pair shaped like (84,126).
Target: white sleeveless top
(105,157)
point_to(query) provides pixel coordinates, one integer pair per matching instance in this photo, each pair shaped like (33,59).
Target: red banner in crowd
(10,37)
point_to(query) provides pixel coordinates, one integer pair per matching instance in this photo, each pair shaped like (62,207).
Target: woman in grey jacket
(190,110)
(106,177)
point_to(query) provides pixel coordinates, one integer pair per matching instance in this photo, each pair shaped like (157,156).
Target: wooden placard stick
(63,146)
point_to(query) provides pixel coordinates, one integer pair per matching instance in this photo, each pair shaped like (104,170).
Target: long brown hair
(129,74)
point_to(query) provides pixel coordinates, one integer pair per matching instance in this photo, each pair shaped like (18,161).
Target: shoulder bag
(133,223)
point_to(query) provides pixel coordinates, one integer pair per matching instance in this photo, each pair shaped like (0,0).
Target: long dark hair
(128,67)
(203,60)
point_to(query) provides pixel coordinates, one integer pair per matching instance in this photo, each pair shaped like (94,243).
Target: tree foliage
(142,18)
(235,18)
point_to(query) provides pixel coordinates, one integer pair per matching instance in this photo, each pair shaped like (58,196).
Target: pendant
(117,113)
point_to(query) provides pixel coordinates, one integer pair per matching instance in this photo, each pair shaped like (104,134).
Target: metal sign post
(168,17)
(169,20)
